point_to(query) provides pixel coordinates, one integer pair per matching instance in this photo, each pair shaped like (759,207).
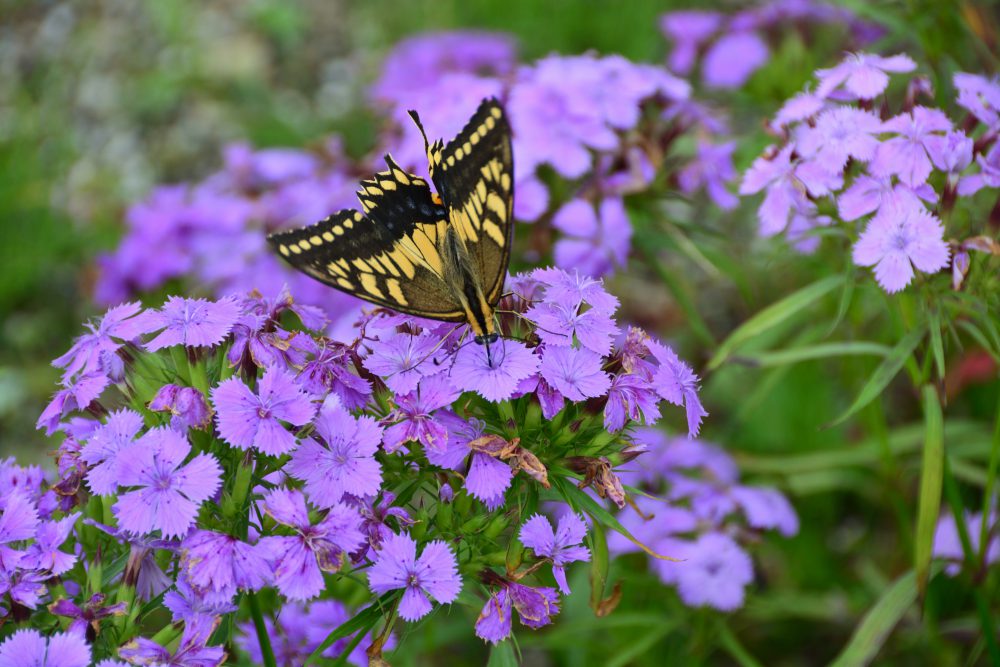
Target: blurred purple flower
(597,240)
(953,153)
(712,571)
(908,155)
(96,352)
(980,96)
(862,74)
(339,457)
(246,419)
(733,59)
(688,30)
(868,194)
(169,491)
(948,545)
(839,134)
(988,176)
(786,181)
(434,575)
(898,239)
(712,170)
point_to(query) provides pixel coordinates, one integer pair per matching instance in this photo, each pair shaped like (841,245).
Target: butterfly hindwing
(474,175)
(389,256)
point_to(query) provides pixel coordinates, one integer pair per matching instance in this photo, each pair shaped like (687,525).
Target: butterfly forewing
(474,174)
(389,256)
(439,256)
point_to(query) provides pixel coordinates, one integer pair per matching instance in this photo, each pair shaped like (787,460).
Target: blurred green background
(101,100)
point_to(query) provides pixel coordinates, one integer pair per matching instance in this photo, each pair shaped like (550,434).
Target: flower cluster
(694,509)
(845,155)
(217,453)
(732,46)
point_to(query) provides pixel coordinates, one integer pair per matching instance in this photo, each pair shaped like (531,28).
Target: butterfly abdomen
(466,284)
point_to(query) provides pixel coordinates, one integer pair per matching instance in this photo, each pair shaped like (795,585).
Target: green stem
(990,490)
(262,637)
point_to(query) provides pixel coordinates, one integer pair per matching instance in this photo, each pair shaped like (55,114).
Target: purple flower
(711,169)
(329,371)
(562,287)
(988,176)
(576,373)
(102,448)
(246,419)
(487,478)
(630,396)
(598,240)
(561,324)
(87,619)
(840,133)
(434,575)
(766,509)
(191,322)
(403,359)
(415,414)
(677,383)
(786,180)
(18,522)
(78,394)
(186,405)
(185,602)
(300,560)
(981,96)
(169,492)
(512,362)
(800,107)
(339,458)
(713,570)
(418,63)
(688,30)
(862,74)
(44,554)
(733,59)
(28,648)
(562,546)
(222,564)
(192,651)
(95,352)
(953,152)
(867,195)
(535,607)
(898,239)
(908,155)
(948,544)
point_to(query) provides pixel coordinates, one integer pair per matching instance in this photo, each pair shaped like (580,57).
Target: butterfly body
(442,255)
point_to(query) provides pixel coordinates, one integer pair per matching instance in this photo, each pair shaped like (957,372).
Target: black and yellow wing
(474,174)
(388,255)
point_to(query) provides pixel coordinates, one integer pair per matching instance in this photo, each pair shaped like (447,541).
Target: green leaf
(774,315)
(502,655)
(361,623)
(808,352)
(876,625)
(931,472)
(937,346)
(581,502)
(884,374)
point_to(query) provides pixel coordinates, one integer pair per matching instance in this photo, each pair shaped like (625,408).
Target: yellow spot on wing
(505,181)
(395,292)
(338,230)
(495,112)
(315,240)
(490,123)
(370,283)
(403,262)
(388,185)
(345,284)
(357,216)
(327,236)
(361,265)
(481,190)
(494,232)
(401,176)
(304,244)
(497,205)
(283,249)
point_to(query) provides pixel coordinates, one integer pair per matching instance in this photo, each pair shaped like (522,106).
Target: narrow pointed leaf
(931,476)
(876,625)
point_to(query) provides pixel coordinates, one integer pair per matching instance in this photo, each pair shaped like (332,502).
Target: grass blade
(774,315)
(876,625)
(884,374)
(931,476)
